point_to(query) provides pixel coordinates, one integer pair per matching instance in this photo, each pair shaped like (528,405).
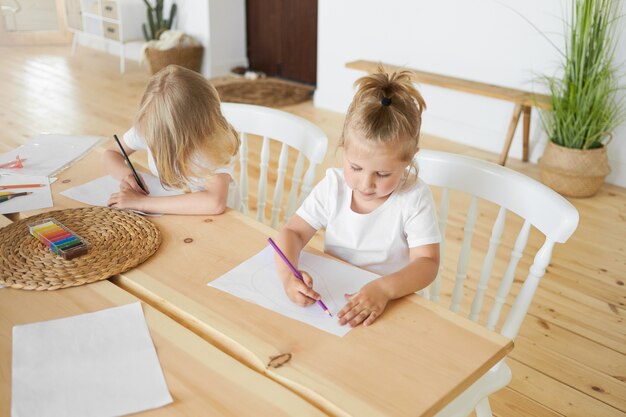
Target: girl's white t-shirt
(136,142)
(378,241)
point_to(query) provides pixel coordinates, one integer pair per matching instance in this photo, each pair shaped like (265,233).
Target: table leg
(509,136)
(74,42)
(526,126)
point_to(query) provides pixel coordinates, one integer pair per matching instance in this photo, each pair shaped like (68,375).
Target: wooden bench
(523,100)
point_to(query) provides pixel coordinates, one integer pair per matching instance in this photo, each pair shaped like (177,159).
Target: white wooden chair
(290,130)
(538,206)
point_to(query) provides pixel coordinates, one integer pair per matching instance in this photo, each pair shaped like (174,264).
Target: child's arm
(292,238)
(370,302)
(115,165)
(211,200)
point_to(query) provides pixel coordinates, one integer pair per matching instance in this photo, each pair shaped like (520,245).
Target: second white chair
(291,131)
(537,206)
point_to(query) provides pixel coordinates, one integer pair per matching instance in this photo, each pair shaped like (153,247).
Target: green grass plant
(585,103)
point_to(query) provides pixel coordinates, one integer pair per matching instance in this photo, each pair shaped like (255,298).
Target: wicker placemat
(120,240)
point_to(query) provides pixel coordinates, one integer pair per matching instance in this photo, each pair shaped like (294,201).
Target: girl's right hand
(129,181)
(301,293)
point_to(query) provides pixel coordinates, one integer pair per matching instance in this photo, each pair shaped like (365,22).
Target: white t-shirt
(136,142)
(378,241)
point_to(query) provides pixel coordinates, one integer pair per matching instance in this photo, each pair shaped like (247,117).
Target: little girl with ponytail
(377,213)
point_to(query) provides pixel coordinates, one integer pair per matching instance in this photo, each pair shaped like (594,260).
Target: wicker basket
(574,172)
(186,56)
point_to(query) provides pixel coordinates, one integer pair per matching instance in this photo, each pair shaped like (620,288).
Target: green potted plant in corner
(157,23)
(165,46)
(585,106)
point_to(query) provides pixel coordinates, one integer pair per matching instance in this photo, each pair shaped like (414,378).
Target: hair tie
(386,101)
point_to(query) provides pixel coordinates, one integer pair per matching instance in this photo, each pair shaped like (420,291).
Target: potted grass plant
(165,46)
(585,104)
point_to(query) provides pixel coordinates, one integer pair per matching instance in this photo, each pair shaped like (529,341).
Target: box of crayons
(59,239)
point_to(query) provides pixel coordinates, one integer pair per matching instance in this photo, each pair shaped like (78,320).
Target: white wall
(227,20)
(482,40)
(220,26)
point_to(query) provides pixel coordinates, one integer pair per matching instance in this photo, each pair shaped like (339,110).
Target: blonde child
(190,147)
(377,213)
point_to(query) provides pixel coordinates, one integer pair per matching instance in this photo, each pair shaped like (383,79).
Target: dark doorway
(282,38)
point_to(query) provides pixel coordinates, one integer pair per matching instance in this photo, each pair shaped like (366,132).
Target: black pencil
(132,168)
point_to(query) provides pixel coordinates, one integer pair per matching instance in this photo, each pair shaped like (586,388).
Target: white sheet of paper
(256,281)
(94,364)
(41,197)
(48,154)
(98,191)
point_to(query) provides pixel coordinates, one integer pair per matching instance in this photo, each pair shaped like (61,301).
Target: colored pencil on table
(16,163)
(7,197)
(295,272)
(11,186)
(132,168)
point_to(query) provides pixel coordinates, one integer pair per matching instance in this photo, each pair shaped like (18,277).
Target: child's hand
(127,198)
(365,306)
(301,293)
(129,181)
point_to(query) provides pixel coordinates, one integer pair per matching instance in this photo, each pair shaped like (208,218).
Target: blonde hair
(181,121)
(387,109)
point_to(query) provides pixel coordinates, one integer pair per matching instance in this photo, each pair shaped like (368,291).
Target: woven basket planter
(186,56)
(574,172)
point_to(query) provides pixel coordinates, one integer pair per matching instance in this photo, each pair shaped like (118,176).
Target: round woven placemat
(120,240)
(269,92)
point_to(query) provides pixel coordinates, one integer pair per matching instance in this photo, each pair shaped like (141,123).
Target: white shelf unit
(113,21)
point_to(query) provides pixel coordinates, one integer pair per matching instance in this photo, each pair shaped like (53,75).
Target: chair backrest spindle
(295,186)
(262,190)
(435,288)
(292,132)
(509,275)
(461,269)
(485,272)
(307,183)
(243,173)
(520,307)
(280,183)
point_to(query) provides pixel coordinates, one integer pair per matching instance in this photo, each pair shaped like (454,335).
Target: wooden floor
(570,356)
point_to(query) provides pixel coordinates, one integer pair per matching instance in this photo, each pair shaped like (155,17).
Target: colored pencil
(295,272)
(59,239)
(12,186)
(7,197)
(132,168)
(16,163)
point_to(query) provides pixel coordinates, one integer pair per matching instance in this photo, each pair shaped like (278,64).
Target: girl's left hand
(365,306)
(127,198)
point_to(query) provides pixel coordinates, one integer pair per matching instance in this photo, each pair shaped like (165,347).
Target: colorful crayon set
(59,238)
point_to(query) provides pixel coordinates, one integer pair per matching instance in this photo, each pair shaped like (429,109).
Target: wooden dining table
(415,359)
(201,379)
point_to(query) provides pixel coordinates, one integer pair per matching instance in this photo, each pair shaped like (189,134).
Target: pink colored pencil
(295,272)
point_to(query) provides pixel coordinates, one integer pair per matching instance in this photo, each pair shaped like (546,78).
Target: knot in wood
(279,360)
